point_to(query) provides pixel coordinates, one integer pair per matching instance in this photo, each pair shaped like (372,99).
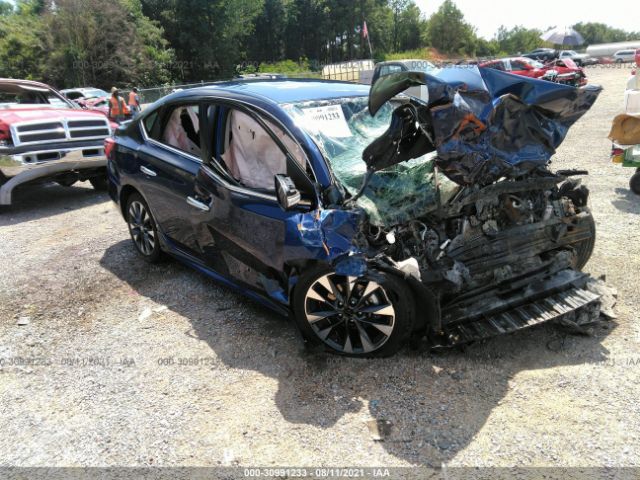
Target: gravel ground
(138,365)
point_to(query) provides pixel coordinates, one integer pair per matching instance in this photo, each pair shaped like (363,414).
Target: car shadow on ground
(428,406)
(33,202)
(626,201)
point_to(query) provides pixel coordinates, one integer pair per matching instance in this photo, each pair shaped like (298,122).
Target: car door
(241,229)
(169,159)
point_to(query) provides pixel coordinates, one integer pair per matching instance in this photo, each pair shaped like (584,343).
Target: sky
(488,15)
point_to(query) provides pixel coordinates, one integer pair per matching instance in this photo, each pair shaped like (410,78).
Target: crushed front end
(490,240)
(497,258)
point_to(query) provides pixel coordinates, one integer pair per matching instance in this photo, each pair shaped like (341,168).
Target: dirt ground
(122,363)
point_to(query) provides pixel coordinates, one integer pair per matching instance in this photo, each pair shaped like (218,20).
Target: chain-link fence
(150,95)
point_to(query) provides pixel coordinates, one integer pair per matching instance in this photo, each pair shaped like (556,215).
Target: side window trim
(258,114)
(162,112)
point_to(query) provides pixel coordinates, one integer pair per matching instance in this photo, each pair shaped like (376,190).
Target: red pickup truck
(44,136)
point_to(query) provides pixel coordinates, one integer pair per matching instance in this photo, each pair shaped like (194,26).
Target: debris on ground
(608,296)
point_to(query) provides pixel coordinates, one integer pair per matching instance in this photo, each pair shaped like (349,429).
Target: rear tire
(142,228)
(369,316)
(634,183)
(100,183)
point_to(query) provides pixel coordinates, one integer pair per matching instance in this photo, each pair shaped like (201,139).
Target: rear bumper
(20,168)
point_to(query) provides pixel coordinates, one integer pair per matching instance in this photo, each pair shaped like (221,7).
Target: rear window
(16,94)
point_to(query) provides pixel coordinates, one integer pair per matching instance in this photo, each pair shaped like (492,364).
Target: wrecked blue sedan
(371,218)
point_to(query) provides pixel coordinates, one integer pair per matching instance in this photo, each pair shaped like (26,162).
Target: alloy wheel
(352,315)
(141,228)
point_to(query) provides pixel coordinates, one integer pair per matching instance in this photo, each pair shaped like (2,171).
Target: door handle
(147,171)
(198,204)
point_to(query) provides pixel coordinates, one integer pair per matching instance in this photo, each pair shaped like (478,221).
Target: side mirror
(286,192)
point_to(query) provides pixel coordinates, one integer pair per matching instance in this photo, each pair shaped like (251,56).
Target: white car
(580,59)
(624,56)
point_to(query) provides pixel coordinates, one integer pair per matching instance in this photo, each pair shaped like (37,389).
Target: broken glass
(342,129)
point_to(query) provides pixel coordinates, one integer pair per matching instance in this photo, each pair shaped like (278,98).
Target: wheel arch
(125,193)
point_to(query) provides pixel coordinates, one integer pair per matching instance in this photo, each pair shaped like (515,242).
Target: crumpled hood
(484,123)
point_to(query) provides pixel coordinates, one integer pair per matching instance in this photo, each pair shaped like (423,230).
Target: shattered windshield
(342,129)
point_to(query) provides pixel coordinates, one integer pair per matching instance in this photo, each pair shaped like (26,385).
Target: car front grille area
(34,133)
(42,157)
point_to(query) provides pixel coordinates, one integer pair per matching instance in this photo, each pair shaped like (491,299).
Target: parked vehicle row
(626,56)
(91,98)
(559,70)
(546,55)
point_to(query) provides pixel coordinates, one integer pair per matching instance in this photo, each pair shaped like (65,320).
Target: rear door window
(182,129)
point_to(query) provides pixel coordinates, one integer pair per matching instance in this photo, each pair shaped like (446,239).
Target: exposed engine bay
(503,242)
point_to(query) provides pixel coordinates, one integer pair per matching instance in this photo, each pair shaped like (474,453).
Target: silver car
(625,56)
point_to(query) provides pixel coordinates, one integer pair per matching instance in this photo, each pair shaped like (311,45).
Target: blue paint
(488,124)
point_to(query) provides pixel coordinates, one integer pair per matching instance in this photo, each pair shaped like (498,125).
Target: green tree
(595,32)
(448,31)
(209,36)
(488,48)
(407,25)
(104,44)
(267,42)
(6,8)
(23,44)
(518,39)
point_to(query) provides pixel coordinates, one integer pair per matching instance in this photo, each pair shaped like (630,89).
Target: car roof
(288,90)
(24,82)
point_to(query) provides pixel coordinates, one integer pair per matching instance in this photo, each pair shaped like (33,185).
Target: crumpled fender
(323,234)
(487,124)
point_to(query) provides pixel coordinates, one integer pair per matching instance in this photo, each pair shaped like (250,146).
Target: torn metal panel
(485,124)
(322,234)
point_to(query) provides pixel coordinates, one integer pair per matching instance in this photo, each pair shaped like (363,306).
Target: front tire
(369,316)
(143,228)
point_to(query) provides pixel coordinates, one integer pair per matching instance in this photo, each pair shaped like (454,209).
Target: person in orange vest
(134,101)
(117,108)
